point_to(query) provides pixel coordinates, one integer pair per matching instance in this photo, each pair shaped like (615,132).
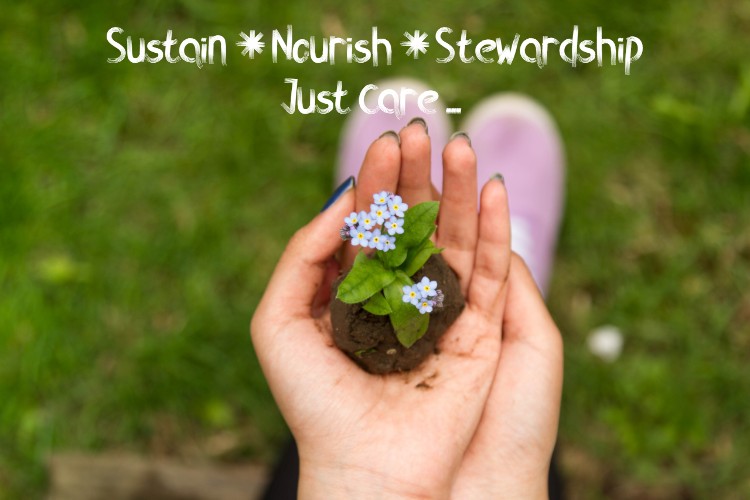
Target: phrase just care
(447,47)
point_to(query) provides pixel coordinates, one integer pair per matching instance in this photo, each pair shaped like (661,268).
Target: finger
(457,221)
(414,184)
(379,172)
(523,406)
(303,265)
(531,361)
(492,259)
(527,317)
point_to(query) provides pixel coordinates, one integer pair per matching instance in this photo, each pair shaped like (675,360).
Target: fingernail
(343,188)
(498,177)
(391,133)
(420,120)
(460,134)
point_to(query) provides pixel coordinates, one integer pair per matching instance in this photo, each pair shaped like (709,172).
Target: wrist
(334,481)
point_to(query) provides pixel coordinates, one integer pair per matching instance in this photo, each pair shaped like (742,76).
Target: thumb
(302,267)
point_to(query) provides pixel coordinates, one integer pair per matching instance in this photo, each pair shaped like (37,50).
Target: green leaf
(406,320)
(378,305)
(393,258)
(419,224)
(417,256)
(366,278)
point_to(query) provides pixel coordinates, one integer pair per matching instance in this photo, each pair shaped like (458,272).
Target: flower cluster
(387,211)
(423,295)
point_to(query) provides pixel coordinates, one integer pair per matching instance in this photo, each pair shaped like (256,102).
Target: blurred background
(143,207)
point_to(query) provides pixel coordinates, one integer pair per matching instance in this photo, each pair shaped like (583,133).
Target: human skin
(488,423)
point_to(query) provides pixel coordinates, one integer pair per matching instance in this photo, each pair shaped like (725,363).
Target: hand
(363,435)
(509,454)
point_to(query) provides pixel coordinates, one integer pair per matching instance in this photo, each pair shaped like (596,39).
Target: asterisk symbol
(416,43)
(251,44)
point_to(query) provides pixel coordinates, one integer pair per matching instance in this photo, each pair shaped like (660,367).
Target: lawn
(142,208)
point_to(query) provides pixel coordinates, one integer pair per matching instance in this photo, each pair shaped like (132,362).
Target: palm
(434,408)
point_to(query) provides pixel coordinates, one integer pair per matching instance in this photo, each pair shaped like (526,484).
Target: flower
(427,287)
(397,207)
(380,213)
(425,306)
(344,232)
(352,220)
(395,226)
(439,298)
(382,197)
(360,236)
(377,240)
(366,220)
(390,243)
(411,295)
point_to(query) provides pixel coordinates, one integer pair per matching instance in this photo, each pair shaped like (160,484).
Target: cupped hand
(361,435)
(509,454)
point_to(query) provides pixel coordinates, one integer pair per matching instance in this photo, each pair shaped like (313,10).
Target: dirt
(370,341)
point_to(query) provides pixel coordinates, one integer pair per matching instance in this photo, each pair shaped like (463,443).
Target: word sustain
(189,50)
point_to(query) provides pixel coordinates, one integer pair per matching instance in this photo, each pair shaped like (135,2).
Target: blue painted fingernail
(498,177)
(343,188)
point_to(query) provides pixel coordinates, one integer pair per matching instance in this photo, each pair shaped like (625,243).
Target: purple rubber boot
(516,136)
(361,129)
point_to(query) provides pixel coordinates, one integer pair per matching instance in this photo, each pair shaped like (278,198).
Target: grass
(142,208)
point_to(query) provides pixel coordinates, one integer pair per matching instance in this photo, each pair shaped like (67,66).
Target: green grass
(142,208)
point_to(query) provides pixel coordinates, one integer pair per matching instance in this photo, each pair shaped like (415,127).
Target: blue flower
(366,220)
(352,220)
(425,306)
(411,295)
(360,236)
(427,288)
(397,207)
(390,243)
(379,213)
(382,197)
(395,226)
(377,240)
